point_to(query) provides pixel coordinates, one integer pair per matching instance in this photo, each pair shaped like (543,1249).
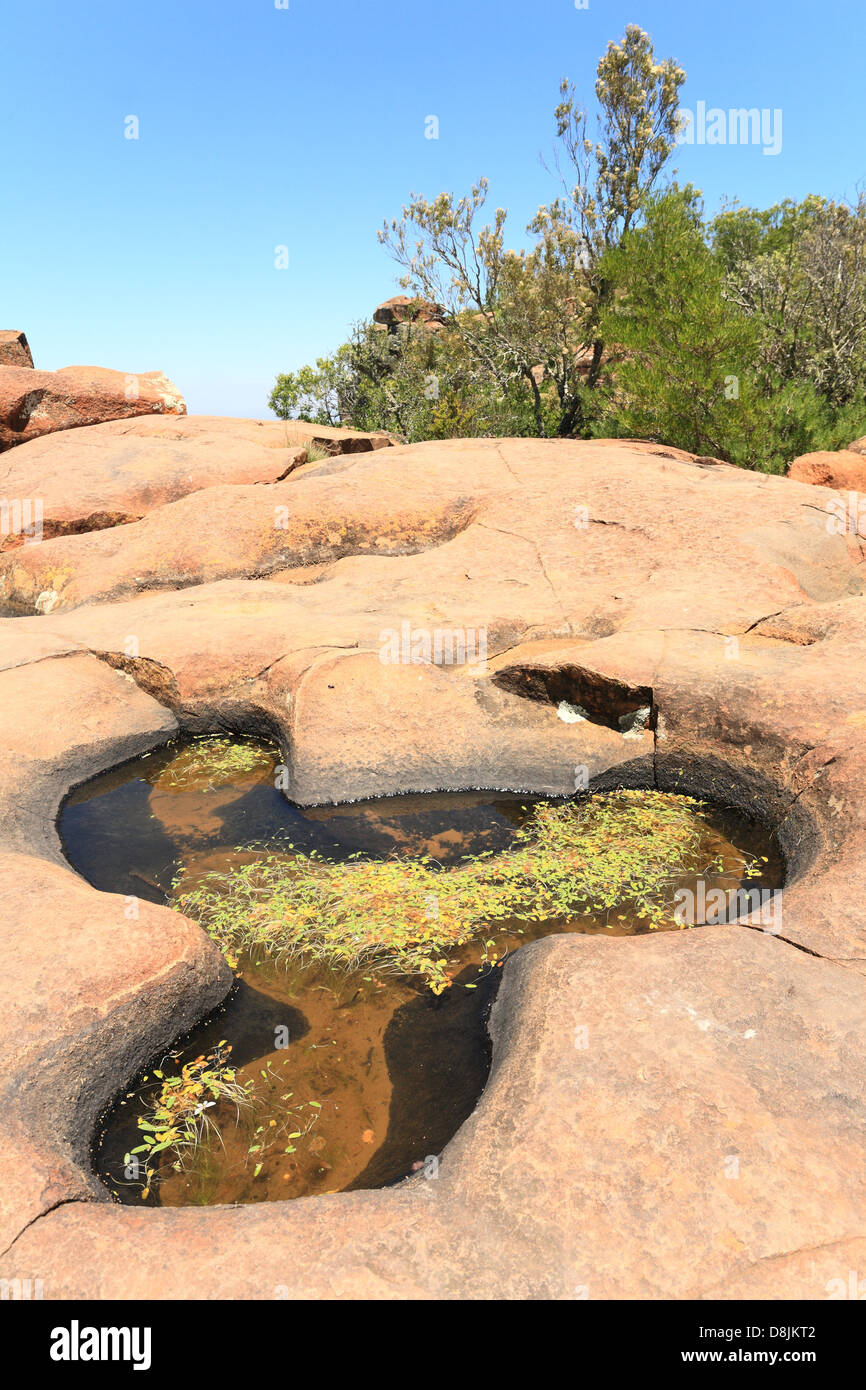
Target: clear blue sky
(304,127)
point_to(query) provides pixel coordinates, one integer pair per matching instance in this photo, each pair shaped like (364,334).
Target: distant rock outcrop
(422,313)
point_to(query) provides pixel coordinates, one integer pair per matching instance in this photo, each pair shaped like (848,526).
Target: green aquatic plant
(183,1121)
(176,1118)
(213,761)
(626,850)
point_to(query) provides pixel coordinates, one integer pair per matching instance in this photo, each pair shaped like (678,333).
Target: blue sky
(305,126)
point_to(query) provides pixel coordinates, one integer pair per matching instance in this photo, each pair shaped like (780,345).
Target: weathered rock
(562,509)
(14,349)
(94,478)
(288,524)
(350,707)
(656,1126)
(104,714)
(710,1138)
(844,469)
(35,403)
(858,446)
(132,981)
(421,313)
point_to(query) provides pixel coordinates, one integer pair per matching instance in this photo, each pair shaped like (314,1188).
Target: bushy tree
(312,393)
(800,268)
(740,340)
(532,317)
(607,181)
(684,372)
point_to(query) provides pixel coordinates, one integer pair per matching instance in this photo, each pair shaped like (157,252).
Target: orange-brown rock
(14,349)
(421,313)
(842,469)
(707,1139)
(93,478)
(33,403)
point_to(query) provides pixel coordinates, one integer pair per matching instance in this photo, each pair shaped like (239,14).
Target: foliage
(799,269)
(529,317)
(521,351)
(700,392)
(639,117)
(625,314)
(185,1118)
(312,393)
(719,353)
(176,1119)
(213,761)
(595,856)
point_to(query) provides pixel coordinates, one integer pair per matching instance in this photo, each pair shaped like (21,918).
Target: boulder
(421,313)
(858,446)
(35,403)
(14,349)
(842,469)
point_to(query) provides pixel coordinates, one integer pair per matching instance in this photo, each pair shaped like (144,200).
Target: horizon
(304,127)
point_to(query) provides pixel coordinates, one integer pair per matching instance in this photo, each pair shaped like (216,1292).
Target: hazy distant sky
(304,127)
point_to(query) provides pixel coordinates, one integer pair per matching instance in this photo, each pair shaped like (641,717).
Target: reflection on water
(368,1076)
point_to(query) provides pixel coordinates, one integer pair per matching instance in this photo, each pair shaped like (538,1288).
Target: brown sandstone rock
(34,403)
(656,1126)
(132,974)
(90,479)
(709,1140)
(14,349)
(843,470)
(562,506)
(422,313)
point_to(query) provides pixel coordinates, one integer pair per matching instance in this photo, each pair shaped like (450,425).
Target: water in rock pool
(354,1079)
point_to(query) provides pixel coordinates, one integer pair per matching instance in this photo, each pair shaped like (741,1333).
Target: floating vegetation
(609,855)
(184,1117)
(357,1071)
(213,761)
(176,1117)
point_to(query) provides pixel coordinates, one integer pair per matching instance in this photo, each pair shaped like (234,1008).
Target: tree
(639,121)
(800,268)
(532,317)
(686,375)
(312,393)
(468,272)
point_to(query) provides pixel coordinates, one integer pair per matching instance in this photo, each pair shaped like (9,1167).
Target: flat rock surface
(123,469)
(455,615)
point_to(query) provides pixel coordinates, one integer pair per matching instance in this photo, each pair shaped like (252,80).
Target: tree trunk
(537,405)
